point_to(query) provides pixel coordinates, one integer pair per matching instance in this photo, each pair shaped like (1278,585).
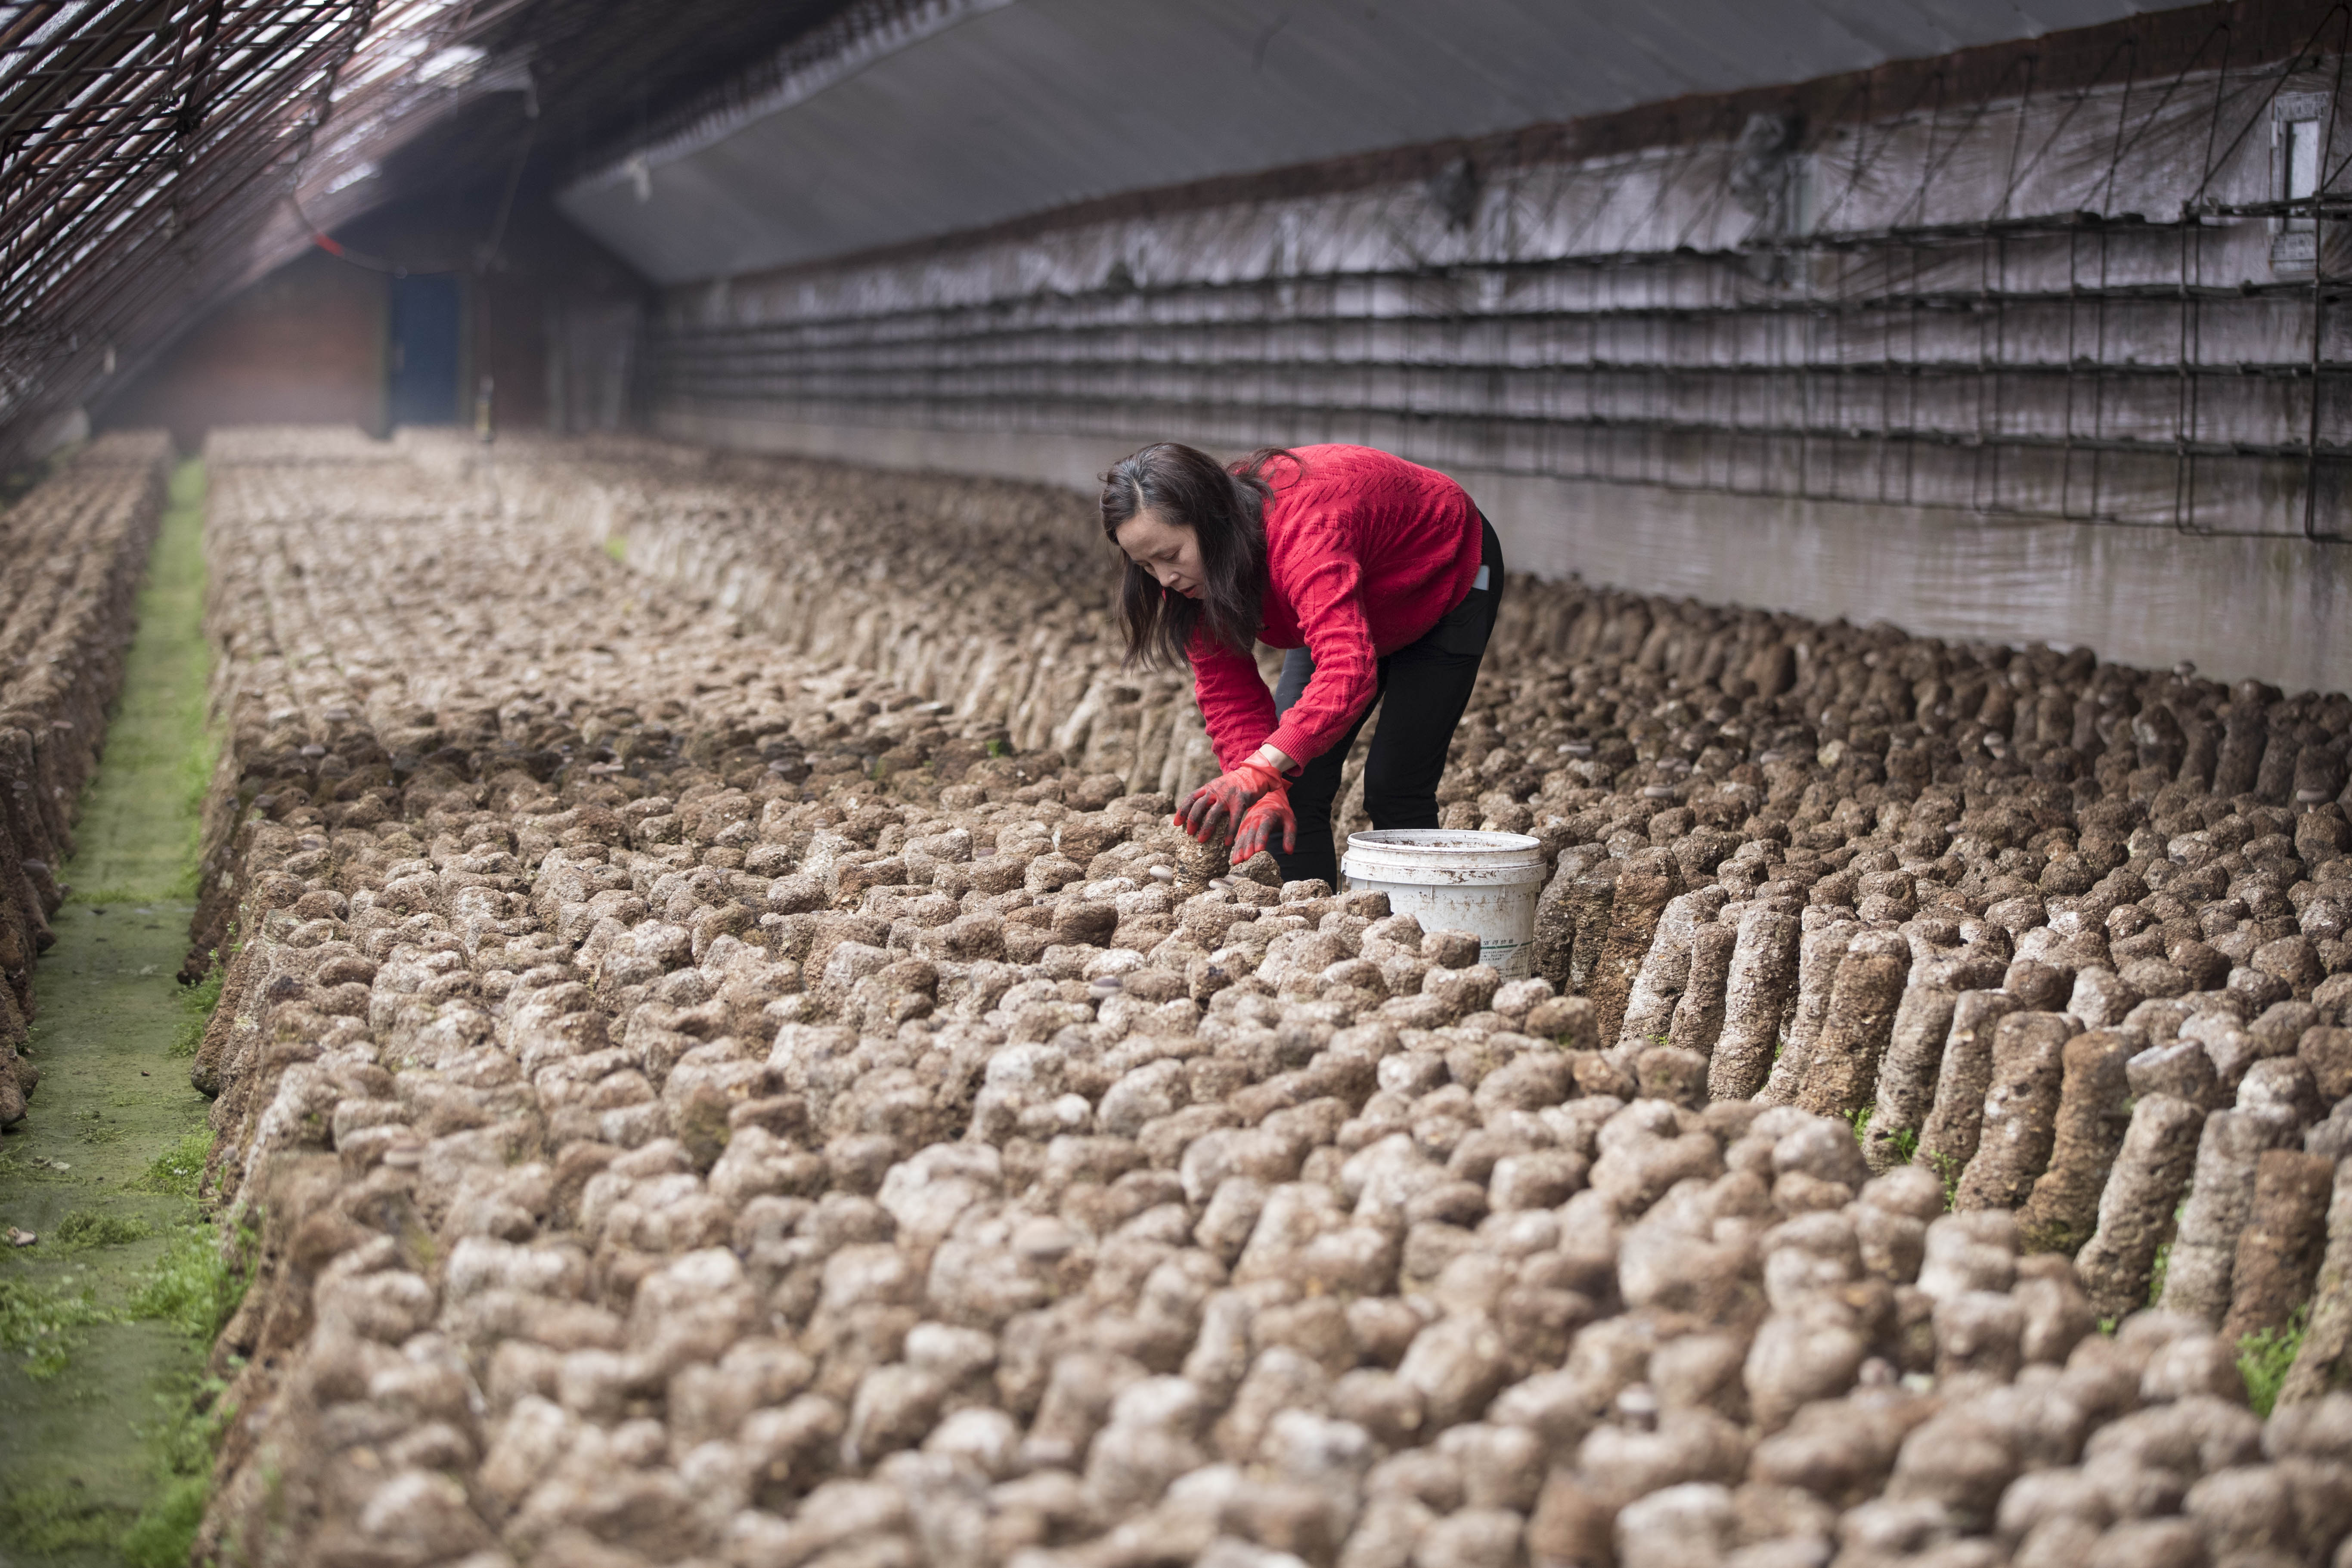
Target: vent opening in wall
(2299,128)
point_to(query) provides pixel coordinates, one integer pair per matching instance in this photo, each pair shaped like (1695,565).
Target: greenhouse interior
(716,676)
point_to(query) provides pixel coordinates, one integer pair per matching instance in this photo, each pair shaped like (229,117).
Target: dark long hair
(1226,510)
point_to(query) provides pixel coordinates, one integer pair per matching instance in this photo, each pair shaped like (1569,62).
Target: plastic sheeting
(2000,308)
(2077,308)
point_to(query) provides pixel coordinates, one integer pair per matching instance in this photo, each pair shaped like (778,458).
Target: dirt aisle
(103,1318)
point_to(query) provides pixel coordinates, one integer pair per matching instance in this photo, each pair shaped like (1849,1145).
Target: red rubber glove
(1220,805)
(1257,831)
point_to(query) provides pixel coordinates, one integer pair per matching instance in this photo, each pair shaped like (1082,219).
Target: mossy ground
(104,1321)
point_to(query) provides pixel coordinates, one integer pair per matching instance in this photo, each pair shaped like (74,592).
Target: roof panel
(993,110)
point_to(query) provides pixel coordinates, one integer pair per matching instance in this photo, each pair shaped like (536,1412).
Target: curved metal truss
(139,141)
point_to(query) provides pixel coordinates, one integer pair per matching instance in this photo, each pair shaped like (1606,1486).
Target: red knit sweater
(1364,552)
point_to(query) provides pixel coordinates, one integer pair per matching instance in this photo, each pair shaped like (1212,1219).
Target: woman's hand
(1219,805)
(1257,831)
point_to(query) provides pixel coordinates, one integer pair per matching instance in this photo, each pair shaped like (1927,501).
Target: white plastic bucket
(1451,879)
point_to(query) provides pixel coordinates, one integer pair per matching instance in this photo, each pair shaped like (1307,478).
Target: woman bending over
(1379,577)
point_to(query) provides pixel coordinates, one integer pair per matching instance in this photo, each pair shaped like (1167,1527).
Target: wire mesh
(139,139)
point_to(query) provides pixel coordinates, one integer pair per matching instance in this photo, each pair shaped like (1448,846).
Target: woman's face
(1169,551)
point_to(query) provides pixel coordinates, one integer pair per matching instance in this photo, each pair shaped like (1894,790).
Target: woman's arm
(1327,590)
(1324,583)
(1235,703)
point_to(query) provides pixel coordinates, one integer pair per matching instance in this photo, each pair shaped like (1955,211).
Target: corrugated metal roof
(969,112)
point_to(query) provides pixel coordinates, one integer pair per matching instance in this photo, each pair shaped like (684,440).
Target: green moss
(194,1285)
(93,1128)
(165,1531)
(17,1168)
(178,1171)
(1948,1171)
(84,1228)
(198,1004)
(57,1519)
(2265,1357)
(165,1534)
(38,1322)
(141,816)
(116,1147)
(618,549)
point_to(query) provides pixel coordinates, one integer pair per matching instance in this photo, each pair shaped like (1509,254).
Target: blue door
(425,320)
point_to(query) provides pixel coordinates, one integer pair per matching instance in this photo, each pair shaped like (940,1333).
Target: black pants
(1423,687)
